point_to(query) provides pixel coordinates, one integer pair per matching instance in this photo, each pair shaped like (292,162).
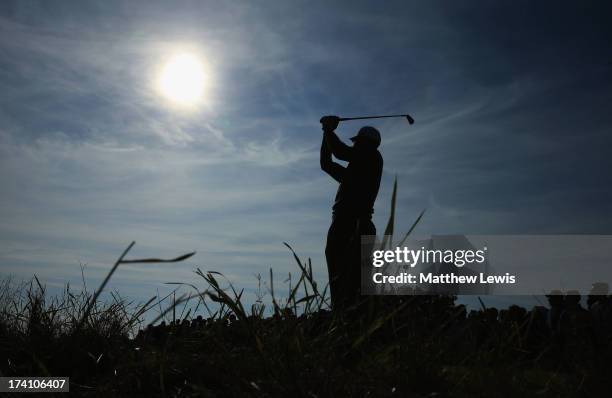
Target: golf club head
(410,119)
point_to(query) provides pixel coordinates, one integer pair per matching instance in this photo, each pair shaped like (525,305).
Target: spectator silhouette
(598,293)
(353,207)
(574,318)
(600,307)
(575,326)
(556,300)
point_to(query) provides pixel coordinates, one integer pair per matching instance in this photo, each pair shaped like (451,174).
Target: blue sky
(512,102)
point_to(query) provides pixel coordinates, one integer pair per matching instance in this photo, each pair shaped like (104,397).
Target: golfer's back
(360,183)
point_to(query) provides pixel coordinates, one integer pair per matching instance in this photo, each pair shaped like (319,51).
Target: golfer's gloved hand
(330,122)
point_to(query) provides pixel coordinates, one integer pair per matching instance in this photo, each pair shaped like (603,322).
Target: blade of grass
(414,224)
(388,236)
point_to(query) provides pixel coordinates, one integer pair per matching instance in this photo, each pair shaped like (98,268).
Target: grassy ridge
(390,346)
(418,346)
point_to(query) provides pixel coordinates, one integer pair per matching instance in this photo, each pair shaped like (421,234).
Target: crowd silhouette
(563,328)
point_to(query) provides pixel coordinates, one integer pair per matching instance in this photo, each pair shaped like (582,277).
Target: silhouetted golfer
(353,207)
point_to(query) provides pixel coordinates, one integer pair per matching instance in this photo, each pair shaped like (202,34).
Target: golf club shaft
(410,119)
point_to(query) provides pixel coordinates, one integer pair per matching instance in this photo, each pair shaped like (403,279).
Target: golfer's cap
(368,133)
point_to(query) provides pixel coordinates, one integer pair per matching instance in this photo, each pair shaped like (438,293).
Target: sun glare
(183,80)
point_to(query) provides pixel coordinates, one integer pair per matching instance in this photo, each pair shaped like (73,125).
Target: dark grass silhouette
(421,346)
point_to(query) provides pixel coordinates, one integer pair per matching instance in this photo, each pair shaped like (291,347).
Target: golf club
(407,116)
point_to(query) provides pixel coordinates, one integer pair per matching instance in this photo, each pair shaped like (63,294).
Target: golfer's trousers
(343,253)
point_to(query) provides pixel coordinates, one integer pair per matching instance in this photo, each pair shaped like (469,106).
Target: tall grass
(394,346)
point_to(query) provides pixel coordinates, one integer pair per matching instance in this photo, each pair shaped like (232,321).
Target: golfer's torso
(360,183)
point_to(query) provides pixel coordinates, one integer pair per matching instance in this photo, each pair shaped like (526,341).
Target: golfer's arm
(338,148)
(328,165)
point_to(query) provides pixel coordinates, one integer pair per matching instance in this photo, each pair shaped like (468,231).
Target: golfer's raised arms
(338,148)
(327,164)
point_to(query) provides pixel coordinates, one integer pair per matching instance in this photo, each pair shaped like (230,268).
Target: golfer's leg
(339,259)
(353,270)
(332,256)
(367,228)
(362,251)
(348,261)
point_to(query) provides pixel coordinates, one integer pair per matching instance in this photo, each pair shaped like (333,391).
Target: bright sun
(183,80)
